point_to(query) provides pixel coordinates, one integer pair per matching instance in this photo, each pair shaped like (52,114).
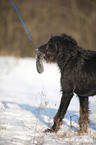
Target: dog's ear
(69,39)
(51,36)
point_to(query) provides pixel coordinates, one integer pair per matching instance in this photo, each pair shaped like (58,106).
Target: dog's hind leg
(65,100)
(84,114)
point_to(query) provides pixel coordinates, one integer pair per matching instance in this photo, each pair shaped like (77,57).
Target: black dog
(78,74)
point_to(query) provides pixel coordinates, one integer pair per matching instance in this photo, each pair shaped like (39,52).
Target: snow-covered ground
(29,101)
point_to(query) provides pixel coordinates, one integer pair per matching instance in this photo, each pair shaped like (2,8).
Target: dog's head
(48,50)
(56,47)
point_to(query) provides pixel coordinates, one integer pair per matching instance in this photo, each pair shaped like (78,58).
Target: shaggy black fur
(78,74)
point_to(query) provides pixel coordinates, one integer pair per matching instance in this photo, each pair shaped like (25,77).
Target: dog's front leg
(65,100)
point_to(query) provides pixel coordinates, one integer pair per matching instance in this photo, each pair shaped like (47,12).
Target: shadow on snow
(41,112)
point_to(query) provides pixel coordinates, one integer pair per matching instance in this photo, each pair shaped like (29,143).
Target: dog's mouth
(39,54)
(39,58)
(48,56)
(46,53)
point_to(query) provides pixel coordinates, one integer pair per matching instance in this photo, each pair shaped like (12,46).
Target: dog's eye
(47,47)
(50,45)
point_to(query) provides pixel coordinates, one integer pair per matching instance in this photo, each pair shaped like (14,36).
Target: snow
(29,101)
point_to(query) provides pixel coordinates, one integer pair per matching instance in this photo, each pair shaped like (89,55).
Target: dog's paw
(81,131)
(50,130)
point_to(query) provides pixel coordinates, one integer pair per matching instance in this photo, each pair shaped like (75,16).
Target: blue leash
(21,19)
(39,63)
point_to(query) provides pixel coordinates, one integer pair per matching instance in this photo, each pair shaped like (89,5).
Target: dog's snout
(42,48)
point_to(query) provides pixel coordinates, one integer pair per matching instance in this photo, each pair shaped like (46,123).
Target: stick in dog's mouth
(39,64)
